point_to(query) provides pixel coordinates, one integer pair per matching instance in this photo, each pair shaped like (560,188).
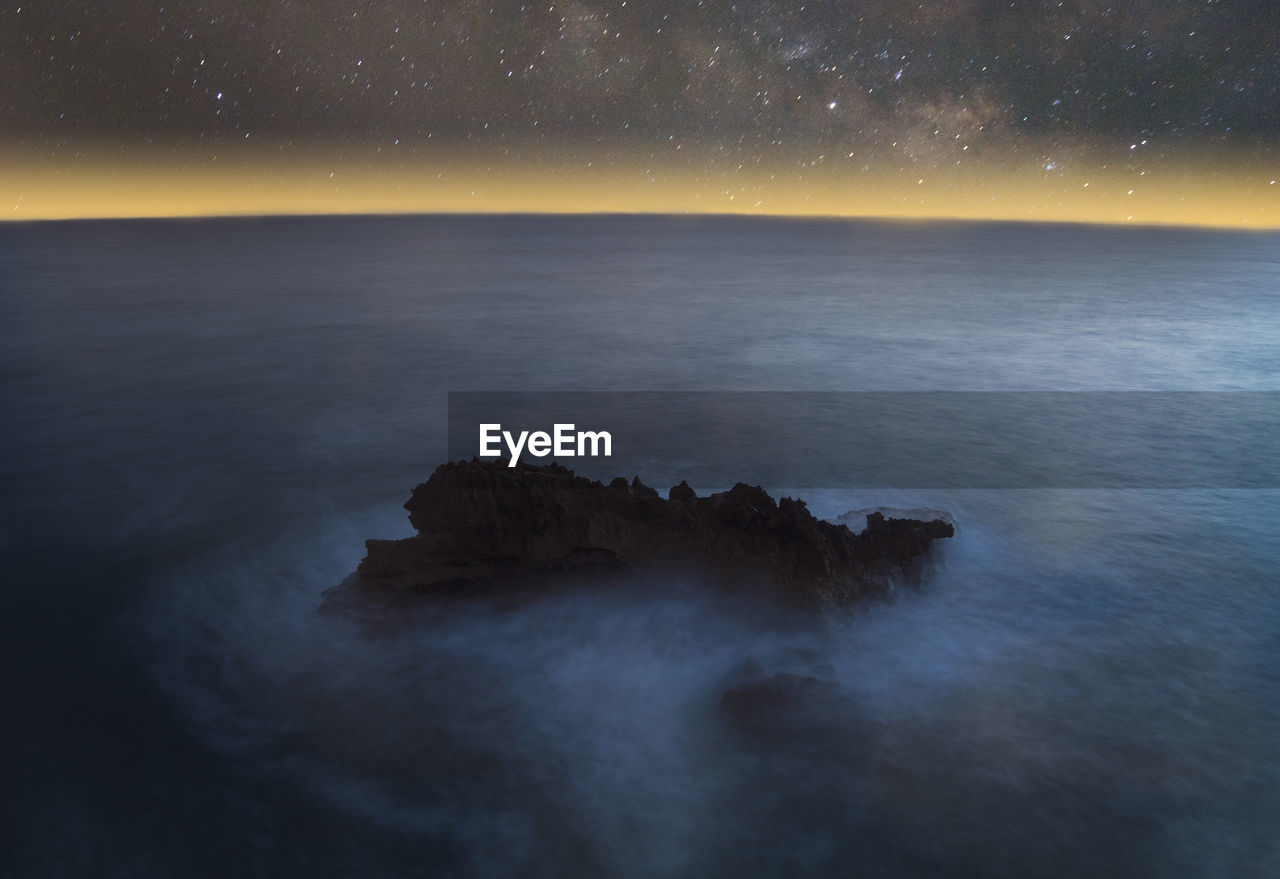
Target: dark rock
(787,706)
(682,492)
(805,725)
(927,514)
(481,521)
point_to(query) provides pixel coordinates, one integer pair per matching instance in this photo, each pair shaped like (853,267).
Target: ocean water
(200,423)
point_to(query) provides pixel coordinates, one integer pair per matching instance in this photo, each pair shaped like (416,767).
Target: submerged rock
(482,522)
(786,709)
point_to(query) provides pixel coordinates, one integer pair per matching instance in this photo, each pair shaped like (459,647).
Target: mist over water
(204,421)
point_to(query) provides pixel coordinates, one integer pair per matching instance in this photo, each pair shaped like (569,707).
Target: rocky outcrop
(925,514)
(482,523)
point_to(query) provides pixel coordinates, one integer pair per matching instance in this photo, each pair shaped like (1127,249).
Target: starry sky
(1168,109)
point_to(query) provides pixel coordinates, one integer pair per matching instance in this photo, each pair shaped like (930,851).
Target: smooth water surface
(202,422)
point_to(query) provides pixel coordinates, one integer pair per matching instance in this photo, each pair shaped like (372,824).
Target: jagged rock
(482,521)
(926,514)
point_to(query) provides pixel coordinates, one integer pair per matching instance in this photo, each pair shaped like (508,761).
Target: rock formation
(483,525)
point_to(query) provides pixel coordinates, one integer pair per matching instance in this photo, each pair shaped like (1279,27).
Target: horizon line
(904,218)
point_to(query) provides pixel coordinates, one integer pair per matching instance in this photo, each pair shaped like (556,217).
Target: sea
(202,421)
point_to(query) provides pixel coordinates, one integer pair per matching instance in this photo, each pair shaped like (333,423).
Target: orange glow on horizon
(1189,193)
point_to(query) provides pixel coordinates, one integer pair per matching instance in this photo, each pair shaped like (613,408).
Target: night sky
(1168,109)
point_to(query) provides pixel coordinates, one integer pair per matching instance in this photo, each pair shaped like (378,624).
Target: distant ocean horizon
(1173,224)
(201,421)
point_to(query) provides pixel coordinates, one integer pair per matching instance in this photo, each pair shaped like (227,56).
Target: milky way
(767,91)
